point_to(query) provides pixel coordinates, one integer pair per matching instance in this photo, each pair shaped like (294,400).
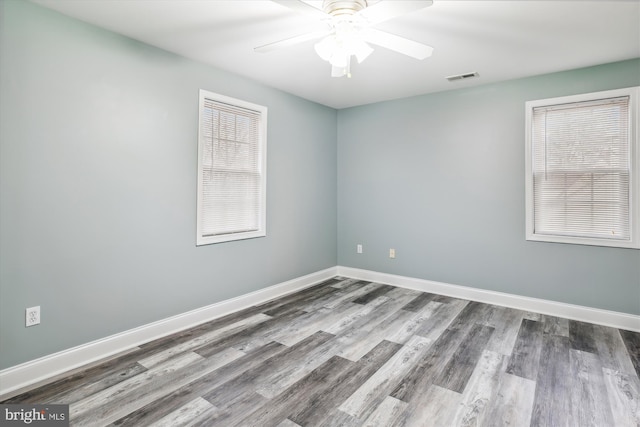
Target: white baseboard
(570,311)
(47,367)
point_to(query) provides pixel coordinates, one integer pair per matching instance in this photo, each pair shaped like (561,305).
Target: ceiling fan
(350,30)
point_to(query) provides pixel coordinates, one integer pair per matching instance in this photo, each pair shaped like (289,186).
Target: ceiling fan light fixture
(362,50)
(340,59)
(325,47)
(337,50)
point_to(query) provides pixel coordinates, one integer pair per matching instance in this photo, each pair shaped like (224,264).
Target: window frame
(261,166)
(634,170)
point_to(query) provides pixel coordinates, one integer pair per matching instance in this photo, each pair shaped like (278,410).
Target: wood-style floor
(353,353)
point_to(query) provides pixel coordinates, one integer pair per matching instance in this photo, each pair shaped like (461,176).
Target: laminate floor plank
(430,366)
(352,327)
(590,403)
(77,386)
(366,338)
(263,333)
(289,374)
(385,320)
(436,406)
(348,293)
(234,413)
(272,330)
(612,349)
(632,342)
(442,317)
(368,297)
(455,374)
(353,353)
(351,380)
(387,413)
(364,401)
(506,322)
(132,385)
(250,379)
(444,299)
(97,385)
(356,319)
(247,337)
(186,414)
(338,418)
(481,389)
(312,322)
(172,401)
(473,312)
(409,328)
(295,303)
(582,336)
(536,317)
(202,340)
(552,404)
(513,403)
(57,390)
(206,327)
(624,397)
(96,410)
(300,395)
(202,420)
(555,325)
(525,357)
(345,282)
(312,292)
(352,292)
(419,302)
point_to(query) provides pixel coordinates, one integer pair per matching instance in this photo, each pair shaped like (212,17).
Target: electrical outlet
(32,316)
(359,249)
(392,253)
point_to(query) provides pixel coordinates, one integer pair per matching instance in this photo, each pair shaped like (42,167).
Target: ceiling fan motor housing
(338,8)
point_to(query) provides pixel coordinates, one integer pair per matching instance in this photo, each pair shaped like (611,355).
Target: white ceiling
(500,40)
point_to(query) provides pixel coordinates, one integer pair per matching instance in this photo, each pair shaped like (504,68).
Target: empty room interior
(320,213)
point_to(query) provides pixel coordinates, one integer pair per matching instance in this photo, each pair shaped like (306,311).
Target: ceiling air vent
(462,76)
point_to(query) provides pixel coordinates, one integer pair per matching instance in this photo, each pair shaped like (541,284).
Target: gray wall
(440,178)
(98,139)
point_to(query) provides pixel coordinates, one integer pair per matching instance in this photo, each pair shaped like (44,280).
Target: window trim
(634,179)
(262,164)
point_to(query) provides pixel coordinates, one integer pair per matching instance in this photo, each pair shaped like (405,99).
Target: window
(231,169)
(582,169)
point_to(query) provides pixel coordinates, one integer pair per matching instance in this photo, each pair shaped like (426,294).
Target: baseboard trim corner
(570,311)
(41,370)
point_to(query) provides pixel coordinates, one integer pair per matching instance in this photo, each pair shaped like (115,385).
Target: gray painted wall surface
(98,141)
(440,178)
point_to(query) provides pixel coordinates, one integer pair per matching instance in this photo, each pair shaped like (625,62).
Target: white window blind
(231,169)
(581,156)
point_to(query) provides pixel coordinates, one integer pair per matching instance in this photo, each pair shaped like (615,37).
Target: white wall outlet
(32,316)
(392,253)
(359,249)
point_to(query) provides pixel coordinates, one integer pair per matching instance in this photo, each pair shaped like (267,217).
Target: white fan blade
(386,10)
(303,8)
(291,41)
(396,43)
